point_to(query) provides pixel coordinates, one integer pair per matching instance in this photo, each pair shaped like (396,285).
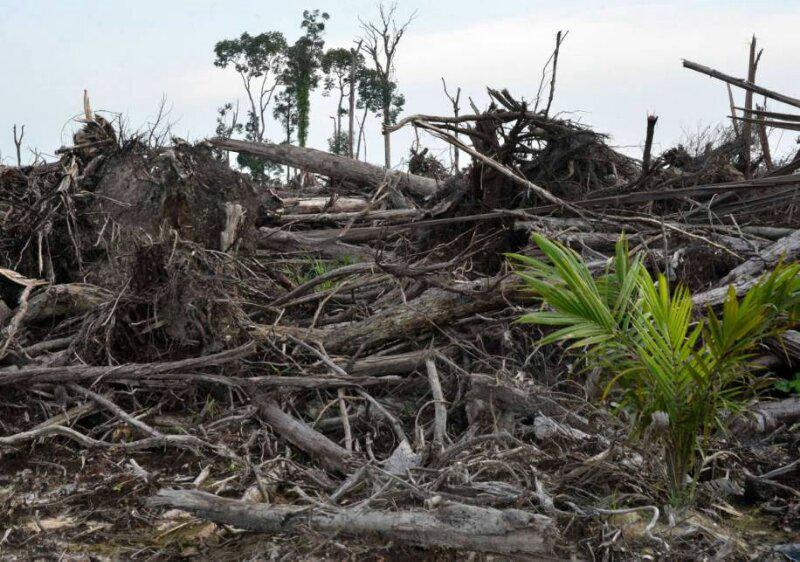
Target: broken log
(330,165)
(435,308)
(450,525)
(332,456)
(283,241)
(746,275)
(307,205)
(388,215)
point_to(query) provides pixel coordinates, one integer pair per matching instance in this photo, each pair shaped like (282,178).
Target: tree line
(278,79)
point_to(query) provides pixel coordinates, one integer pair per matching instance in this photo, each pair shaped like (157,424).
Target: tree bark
(435,307)
(387,148)
(352,111)
(746,275)
(332,456)
(331,165)
(453,525)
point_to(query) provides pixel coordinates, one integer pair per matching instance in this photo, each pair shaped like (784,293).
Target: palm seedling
(676,374)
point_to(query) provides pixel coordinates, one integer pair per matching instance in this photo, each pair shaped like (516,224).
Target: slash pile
(336,365)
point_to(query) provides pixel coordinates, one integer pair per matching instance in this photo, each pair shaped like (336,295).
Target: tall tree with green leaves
(337,65)
(285,112)
(259,61)
(380,43)
(302,67)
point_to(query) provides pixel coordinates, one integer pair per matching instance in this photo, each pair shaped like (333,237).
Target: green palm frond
(642,332)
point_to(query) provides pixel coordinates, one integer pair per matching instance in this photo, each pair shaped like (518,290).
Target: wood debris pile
(339,360)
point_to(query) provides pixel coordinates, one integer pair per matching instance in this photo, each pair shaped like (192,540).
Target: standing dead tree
(554,58)
(648,143)
(380,43)
(18,143)
(747,136)
(559,39)
(456,108)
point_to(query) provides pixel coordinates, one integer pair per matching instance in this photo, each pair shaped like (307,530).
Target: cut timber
(330,165)
(455,526)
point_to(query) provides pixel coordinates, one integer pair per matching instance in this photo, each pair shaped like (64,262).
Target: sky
(619,62)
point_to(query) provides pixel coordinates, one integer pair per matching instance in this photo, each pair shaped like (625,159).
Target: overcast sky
(620,61)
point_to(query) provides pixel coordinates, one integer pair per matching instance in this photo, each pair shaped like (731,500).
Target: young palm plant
(676,374)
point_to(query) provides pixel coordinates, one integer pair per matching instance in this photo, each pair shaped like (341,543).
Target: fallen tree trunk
(786,249)
(452,525)
(434,308)
(35,375)
(307,205)
(745,276)
(330,165)
(364,216)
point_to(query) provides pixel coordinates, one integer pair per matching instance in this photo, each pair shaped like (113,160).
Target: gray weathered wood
(330,165)
(450,525)
(746,275)
(303,436)
(741,83)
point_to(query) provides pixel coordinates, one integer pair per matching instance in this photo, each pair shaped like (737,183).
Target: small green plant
(313,268)
(789,386)
(676,375)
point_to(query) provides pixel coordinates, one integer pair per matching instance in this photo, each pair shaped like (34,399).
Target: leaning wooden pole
(330,165)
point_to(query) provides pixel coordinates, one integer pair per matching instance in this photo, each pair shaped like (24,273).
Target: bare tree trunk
(339,126)
(553,79)
(454,101)
(352,114)
(361,135)
(387,148)
(18,144)
(648,143)
(748,106)
(764,142)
